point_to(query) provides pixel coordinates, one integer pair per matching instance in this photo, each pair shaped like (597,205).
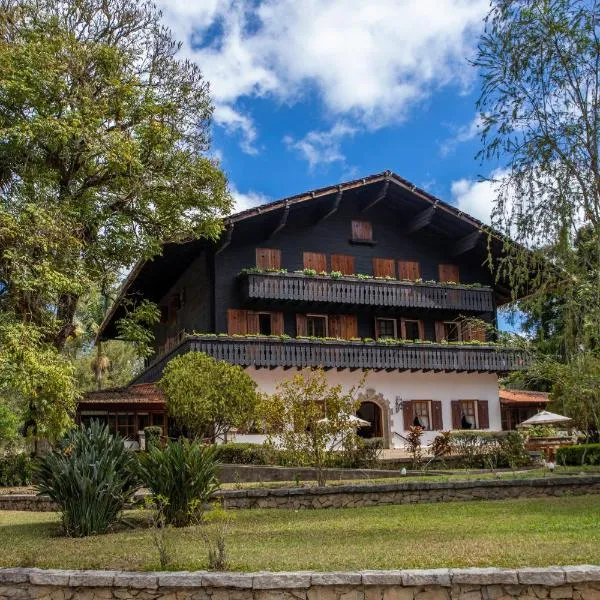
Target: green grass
(534,532)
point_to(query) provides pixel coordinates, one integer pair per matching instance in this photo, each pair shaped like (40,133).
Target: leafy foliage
(206,396)
(91,478)
(16,469)
(183,476)
(583,454)
(311,419)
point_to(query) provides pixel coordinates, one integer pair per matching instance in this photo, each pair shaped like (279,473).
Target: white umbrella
(352,418)
(544,417)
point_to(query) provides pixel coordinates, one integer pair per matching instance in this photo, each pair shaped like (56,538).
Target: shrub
(91,477)
(244,454)
(152,433)
(183,475)
(513,452)
(16,470)
(478,449)
(582,454)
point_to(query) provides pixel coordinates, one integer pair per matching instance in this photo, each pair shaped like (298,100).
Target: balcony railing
(272,353)
(297,287)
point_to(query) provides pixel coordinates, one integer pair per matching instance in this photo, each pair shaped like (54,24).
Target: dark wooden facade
(378,227)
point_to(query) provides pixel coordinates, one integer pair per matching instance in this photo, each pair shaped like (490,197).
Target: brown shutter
(384,267)
(473,332)
(403,328)
(407,414)
(237,321)
(421,330)
(316,261)
(277,323)
(253,325)
(334,326)
(362,230)
(342,263)
(376,328)
(409,269)
(268,258)
(456,414)
(349,326)
(483,414)
(439,331)
(448,272)
(436,415)
(301,325)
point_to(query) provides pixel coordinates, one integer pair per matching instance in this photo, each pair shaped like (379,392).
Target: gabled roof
(386,186)
(523,397)
(143,393)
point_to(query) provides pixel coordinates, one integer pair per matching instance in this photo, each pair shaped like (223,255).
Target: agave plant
(183,475)
(91,477)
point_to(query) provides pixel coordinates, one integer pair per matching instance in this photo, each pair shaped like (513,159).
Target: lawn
(534,532)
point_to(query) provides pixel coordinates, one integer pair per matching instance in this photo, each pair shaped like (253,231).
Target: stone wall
(357,495)
(554,583)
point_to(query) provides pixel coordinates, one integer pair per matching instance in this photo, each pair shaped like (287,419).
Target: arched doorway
(375,409)
(369,411)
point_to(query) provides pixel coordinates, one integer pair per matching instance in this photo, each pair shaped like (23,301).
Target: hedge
(582,454)
(16,470)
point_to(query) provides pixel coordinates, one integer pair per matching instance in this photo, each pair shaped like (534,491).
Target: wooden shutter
(437,423)
(316,261)
(268,258)
(342,263)
(409,269)
(334,326)
(349,326)
(472,332)
(439,331)
(448,272)
(456,414)
(301,325)
(237,321)
(483,414)
(407,414)
(252,323)
(421,330)
(277,323)
(362,230)
(384,267)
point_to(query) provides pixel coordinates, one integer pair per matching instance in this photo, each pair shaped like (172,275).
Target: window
(125,425)
(342,263)
(384,267)
(362,231)
(264,323)
(468,414)
(413,329)
(385,328)
(268,259)
(447,272)
(451,331)
(422,414)
(409,269)
(315,260)
(316,325)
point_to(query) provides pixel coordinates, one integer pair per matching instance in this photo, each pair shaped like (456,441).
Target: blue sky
(309,93)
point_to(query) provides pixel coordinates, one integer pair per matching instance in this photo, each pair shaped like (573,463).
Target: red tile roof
(522,397)
(143,393)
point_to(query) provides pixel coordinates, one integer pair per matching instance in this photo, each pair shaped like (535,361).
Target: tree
(310,418)
(539,62)
(103,159)
(208,397)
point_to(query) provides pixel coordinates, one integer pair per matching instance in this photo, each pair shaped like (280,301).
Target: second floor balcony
(273,352)
(353,291)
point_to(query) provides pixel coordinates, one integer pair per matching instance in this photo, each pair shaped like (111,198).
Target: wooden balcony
(271,353)
(297,287)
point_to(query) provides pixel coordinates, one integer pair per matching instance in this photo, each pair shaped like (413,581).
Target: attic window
(362,231)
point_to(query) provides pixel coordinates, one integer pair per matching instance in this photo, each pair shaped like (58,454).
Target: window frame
(458,331)
(475,405)
(427,403)
(420,328)
(270,315)
(378,328)
(309,316)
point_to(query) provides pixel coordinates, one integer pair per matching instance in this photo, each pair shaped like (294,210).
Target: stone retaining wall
(357,495)
(554,583)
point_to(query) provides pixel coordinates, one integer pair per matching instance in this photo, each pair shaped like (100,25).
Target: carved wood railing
(301,288)
(272,353)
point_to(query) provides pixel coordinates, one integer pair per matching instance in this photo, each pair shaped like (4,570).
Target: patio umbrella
(357,421)
(544,417)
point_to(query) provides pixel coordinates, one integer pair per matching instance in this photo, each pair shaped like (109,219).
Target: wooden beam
(227,240)
(466,243)
(421,220)
(282,222)
(334,208)
(382,194)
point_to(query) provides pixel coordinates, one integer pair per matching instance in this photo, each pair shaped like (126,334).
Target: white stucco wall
(402,386)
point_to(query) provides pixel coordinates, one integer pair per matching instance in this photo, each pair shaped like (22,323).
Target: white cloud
(233,121)
(369,61)
(321,147)
(476,198)
(462,134)
(243,201)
